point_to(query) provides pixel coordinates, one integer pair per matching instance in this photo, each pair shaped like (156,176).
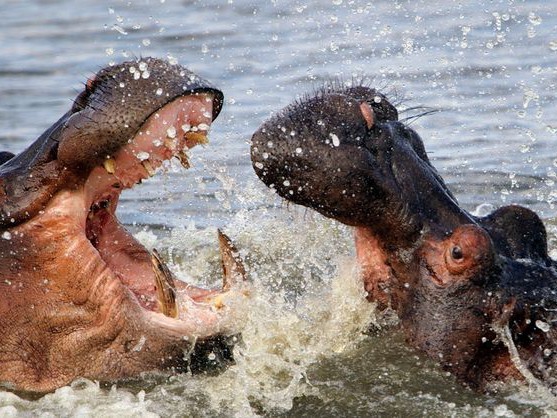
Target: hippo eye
(456,253)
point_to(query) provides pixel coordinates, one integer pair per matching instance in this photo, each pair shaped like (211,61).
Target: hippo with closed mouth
(477,294)
(79,296)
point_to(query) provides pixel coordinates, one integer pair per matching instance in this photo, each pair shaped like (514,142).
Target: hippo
(476,294)
(80,297)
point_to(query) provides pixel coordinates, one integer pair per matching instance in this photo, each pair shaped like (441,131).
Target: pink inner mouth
(177,126)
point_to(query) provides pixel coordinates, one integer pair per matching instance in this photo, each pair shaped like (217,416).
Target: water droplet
(159,91)
(534,19)
(544,326)
(7,235)
(142,156)
(336,141)
(146,42)
(119,29)
(142,66)
(171,132)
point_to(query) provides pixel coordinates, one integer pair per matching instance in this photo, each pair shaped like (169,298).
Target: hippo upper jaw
(109,112)
(344,154)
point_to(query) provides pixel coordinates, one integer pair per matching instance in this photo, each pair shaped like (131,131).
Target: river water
(489,67)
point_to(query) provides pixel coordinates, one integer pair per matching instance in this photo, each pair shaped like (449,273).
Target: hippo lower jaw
(172,305)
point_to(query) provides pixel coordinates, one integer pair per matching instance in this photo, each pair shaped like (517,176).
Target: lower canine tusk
(233,269)
(166,290)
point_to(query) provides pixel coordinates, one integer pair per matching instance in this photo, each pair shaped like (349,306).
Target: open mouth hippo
(477,294)
(79,296)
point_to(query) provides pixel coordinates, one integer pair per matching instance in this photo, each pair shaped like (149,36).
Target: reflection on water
(490,67)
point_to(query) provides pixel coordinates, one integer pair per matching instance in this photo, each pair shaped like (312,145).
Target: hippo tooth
(184,160)
(233,269)
(110,165)
(148,167)
(199,137)
(171,144)
(218,302)
(166,290)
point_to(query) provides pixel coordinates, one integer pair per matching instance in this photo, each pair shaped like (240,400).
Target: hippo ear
(518,231)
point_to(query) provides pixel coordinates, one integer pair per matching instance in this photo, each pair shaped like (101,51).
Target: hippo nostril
(456,253)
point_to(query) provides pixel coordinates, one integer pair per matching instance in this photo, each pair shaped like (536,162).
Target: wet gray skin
(79,296)
(460,284)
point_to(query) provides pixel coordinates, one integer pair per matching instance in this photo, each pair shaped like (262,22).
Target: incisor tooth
(184,160)
(148,168)
(110,165)
(197,137)
(171,144)
(166,290)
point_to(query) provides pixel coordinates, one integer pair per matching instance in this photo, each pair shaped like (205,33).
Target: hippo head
(460,284)
(79,296)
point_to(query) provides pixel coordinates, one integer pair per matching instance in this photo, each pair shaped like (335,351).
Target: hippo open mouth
(469,291)
(81,297)
(170,132)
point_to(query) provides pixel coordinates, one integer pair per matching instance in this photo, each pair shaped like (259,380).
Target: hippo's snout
(344,154)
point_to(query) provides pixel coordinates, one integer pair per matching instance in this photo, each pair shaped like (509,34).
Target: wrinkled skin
(79,296)
(460,284)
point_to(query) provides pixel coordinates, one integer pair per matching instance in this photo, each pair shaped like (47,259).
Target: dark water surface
(490,67)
